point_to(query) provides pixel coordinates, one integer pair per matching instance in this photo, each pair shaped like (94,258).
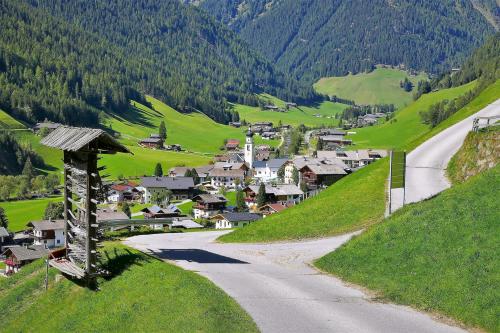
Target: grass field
(295,116)
(440,255)
(378,87)
(21,212)
(406,128)
(350,204)
(143,294)
(7,122)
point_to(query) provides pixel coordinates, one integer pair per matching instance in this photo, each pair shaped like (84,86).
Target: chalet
(266,171)
(322,174)
(185,224)
(261,127)
(329,131)
(18,256)
(236,124)
(262,155)
(174,147)
(289,105)
(271,107)
(208,205)
(123,192)
(285,194)
(49,233)
(46,125)
(234,220)
(181,187)
(354,158)
(273,208)
(156,212)
(269,135)
(232,144)
(332,142)
(369,119)
(231,166)
(152,142)
(226,177)
(202,172)
(300,161)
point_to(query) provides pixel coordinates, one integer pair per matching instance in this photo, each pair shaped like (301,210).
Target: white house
(234,220)
(226,177)
(49,233)
(265,171)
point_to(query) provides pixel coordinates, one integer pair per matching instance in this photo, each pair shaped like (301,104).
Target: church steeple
(249,149)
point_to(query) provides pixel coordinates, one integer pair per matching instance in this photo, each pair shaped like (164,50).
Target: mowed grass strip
(351,204)
(381,86)
(144,294)
(20,212)
(440,255)
(8,122)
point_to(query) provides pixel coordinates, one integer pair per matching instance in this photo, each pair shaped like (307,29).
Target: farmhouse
(18,256)
(234,220)
(208,205)
(300,161)
(185,224)
(329,131)
(273,208)
(269,135)
(226,177)
(152,142)
(156,212)
(321,174)
(202,172)
(265,171)
(49,233)
(123,192)
(354,158)
(332,142)
(181,187)
(236,124)
(47,125)
(232,144)
(261,127)
(285,194)
(271,107)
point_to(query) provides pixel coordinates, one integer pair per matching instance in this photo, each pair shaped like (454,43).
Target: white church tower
(249,149)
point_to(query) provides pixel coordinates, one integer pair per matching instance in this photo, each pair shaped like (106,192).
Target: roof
(188,224)
(76,138)
(326,169)
(47,225)
(171,209)
(30,252)
(178,170)
(233,141)
(171,183)
(48,125)
(277,207)
(274,163)
(151,140)
(210,198)
(238,217)
(218,172)
(4,232)
(278,190)
(339,138)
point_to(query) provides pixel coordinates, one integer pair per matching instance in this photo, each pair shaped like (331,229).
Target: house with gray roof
(354,158)
(265,171)
(234,220)
(181,188)
(285,194)
(18,256)
(49,233)
(226,177)
(208,205)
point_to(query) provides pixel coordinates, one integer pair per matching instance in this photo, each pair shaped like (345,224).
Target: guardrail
(484,122)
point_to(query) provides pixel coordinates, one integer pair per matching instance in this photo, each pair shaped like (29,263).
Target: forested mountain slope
(69,60)
(318,38)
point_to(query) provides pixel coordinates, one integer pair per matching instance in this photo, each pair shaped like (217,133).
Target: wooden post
(91,219)
(67,194)
(390,182)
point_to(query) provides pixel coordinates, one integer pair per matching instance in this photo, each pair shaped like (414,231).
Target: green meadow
(7,122)
(440,255)
(142,291)
(19,213)
(381,86)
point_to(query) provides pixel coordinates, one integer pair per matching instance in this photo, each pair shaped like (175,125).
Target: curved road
(426,165)
(277,286)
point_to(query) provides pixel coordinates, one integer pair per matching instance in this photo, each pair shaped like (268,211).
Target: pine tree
(163,131)
(28,169)
(4,222)
(261,195)
(158,170)
(126,209)
(240,201)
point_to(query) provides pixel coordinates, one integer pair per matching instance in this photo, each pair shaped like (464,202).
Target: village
(245,183)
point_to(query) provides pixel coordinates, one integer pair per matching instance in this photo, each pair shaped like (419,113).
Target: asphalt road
(277,286)
(426,165)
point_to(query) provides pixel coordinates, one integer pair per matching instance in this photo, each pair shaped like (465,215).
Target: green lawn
(440,255)
(143,294)
(352,203)
(378,87)
(21,212)
(406,131)
(7,122)
(295,116)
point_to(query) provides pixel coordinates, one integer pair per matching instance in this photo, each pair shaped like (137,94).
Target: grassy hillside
(479,152)
(378,87)
(438,255)
(359,199)
(295,116)
(21,212)
(143,294)
(406,129)
(7,122)
(352,203)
